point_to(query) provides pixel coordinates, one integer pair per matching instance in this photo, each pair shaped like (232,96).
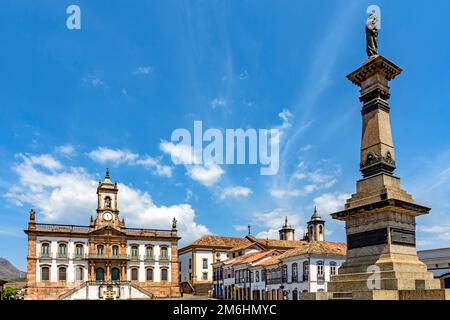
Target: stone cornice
(373,66)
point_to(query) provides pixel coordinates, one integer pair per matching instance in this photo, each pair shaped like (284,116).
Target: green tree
(9,292)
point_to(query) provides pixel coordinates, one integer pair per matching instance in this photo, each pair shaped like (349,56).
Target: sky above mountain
(110,95)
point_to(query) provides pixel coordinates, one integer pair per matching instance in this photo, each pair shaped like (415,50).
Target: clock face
(107,216)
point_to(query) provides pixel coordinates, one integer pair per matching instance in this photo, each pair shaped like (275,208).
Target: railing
(295,278)
(277,280)
(149,258)
(242,280)
(305,277)
(320,277)
(44,255)
(151,232)
(61,227)
(164,259)
(109,257)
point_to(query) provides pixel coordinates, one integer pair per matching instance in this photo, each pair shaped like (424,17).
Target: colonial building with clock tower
(104,260)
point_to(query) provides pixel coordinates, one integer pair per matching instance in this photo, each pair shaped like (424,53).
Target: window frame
(60,268)
(152,273)
(167,274)
(48,267)
(136,269)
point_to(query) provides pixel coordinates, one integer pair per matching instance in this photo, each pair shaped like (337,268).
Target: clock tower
(107,211)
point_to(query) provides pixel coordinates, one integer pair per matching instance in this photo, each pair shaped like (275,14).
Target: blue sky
(110,94)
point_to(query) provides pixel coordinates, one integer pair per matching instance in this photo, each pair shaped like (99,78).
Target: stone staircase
(93,290)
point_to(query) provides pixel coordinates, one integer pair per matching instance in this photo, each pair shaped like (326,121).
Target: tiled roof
(222,242)
(268,262)
(287,244)
(253,257)
(317,247)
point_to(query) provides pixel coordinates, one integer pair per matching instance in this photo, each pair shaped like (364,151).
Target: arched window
(305,271)
(134,274)
(257,276)
(45,273)
(320,273)
(79,250)
(163,252)
(149,274)
(45,250)
(107,202)
(311,231)
(284,273)
(62,274)
(62,250)
(100,250)
(332,268)
(149,252)
(320,229)
(79,274)
(115,274)
(115,250)
(134,251)
(164,274)
(100,274)
(294,272)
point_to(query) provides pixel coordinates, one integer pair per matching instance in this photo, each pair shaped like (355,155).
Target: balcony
(164,259)
(108,257)
(45,256)
(277,280)
(305,277)
(295,278)
(149,258)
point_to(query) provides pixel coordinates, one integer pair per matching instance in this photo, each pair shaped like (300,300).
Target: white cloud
(143,70)
(268,234)
(117,156)
(317,181)
(306,148)
(152,163)
(434,229)
(180,153)
(68,195)
(273,220)
(235,192)
(67,150)
(208,175)
(331,202)
(240,228)
(218,103)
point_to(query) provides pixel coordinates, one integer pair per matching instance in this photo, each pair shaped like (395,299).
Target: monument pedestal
(380,217)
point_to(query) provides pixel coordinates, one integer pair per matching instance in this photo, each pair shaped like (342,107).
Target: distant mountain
(9,271)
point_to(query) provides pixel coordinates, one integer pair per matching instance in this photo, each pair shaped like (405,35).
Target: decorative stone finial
(174,224)
(32,215)
(249,229)
(107,173)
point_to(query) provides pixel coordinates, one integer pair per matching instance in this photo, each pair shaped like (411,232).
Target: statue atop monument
(372,35)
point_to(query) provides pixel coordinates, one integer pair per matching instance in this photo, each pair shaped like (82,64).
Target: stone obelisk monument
(380,218)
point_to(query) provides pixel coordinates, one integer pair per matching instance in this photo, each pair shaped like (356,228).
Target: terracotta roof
(217,241)
(253,257)
(269,262)
(317,247)
(286,244)
(244,246)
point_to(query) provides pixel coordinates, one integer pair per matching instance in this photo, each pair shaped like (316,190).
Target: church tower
(316,227)
(107,210)
(287,232)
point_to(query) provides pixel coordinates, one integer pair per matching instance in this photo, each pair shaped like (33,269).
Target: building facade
(103,260)
(438,262)
(267,271)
